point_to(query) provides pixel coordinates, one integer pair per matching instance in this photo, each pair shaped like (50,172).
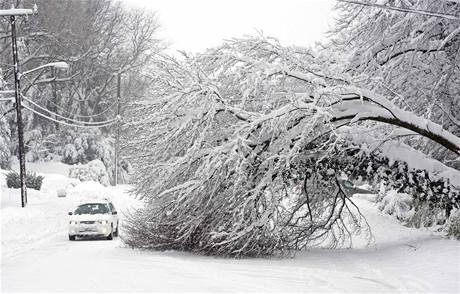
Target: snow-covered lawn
(36,255)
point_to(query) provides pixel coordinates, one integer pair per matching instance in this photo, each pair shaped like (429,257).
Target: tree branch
(407,10)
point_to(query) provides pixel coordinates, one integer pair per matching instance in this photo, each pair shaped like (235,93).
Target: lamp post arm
(59,65)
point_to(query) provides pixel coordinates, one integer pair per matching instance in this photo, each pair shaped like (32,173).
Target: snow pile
(398,204)
(13,215)
(44,216)
(92,171)
(53,183)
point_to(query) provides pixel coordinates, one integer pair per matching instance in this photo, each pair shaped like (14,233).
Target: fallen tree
(238,151)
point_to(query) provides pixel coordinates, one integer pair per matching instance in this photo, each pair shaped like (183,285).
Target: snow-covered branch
(380,109)
(403,9)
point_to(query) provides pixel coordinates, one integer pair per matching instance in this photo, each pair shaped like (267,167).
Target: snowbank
(386,229)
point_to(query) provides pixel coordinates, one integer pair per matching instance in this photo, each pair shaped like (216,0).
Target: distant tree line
(97,38)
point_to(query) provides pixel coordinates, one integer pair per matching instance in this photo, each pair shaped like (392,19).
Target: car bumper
(90,230)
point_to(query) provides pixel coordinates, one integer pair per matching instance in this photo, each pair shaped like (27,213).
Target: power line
(64,110)
(70,119)
(82,116)
(65,123)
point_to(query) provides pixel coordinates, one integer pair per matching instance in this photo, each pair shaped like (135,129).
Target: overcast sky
(195,25)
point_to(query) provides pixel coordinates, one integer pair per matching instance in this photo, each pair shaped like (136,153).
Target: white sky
(195,25)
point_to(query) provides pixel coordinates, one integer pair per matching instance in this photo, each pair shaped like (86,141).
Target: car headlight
(73,222)
(103,222)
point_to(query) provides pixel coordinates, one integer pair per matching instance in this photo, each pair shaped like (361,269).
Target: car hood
(89,217)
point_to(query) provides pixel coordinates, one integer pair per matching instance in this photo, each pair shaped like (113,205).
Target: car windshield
(92,208)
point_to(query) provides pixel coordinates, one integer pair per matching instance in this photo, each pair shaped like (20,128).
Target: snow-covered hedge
(427,188)
(93,171)
(33,181)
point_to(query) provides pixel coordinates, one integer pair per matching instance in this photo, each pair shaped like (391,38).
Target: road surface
(59,265)
(37,256)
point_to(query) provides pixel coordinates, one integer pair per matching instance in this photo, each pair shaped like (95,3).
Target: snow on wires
(66,120)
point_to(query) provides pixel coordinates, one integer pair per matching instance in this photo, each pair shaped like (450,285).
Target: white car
(96,218)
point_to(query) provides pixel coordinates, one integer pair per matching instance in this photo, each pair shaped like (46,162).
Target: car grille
(87,222)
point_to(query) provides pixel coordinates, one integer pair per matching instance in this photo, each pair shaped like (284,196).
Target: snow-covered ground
(37,256)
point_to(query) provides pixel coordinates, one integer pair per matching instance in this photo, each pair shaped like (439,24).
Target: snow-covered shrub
(398,204)
(13,180)
(427,214)
(33,181)
(106,152)
(93,171)
(433,196)
(36,143)
(69,154)
(453,224)
(83,147)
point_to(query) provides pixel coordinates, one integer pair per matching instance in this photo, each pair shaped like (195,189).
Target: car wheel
(110,236)
(71,238)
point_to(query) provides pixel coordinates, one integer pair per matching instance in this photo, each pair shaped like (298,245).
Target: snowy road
(100,265)
(37,256)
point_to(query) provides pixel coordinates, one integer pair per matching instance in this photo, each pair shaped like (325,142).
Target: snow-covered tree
(408,51)
(237,152)
(97,38)
(4,128)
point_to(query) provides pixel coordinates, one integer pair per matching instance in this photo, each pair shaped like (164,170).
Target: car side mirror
(70,213)
(114,212)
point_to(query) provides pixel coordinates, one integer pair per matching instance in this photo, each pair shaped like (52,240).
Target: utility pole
(12,13)
(117,139)
(17,96)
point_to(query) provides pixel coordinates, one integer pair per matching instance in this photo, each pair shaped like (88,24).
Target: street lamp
(17,78)
(58,65)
